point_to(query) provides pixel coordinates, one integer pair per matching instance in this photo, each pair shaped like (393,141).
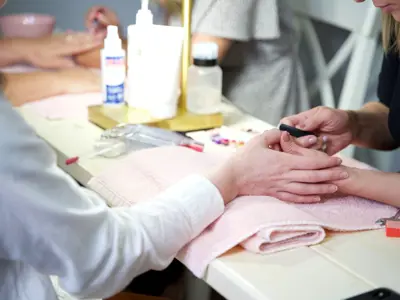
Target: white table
(340,267)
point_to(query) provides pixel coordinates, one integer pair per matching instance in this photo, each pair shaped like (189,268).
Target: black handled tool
(295,132)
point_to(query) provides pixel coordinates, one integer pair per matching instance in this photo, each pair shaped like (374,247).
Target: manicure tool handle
(295,132)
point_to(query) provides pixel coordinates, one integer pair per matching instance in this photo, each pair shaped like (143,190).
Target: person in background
(375,126)
(49,225)
(262,74)
(53,54)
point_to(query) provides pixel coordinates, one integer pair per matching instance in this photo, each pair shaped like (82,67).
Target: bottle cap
(144,17)
(205,51)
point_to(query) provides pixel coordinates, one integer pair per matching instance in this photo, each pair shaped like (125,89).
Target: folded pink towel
(259,224)
(69,106)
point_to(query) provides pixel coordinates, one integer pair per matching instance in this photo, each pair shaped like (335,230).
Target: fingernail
(286,137)
(344,175)
(324,139)
(312,140)
(339,161)
(317,198)
(333,188)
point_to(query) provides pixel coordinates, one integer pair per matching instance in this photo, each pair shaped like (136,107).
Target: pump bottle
(138,37)
(113,69)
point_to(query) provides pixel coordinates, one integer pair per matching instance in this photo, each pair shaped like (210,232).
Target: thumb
(271,137)
(288,145)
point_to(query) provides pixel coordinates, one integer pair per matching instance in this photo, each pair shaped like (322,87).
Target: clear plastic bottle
(204,82)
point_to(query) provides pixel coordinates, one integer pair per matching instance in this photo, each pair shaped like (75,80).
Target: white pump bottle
(113,68)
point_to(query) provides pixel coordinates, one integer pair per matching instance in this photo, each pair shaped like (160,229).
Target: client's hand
(257,169)
(54,52)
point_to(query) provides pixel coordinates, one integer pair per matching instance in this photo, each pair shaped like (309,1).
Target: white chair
(362,20)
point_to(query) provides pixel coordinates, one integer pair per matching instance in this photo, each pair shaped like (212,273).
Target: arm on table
(375,185)
(10,52)
(91,59)
(93,249)
(21,88)
(370,127)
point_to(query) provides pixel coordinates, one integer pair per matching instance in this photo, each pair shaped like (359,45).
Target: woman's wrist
(354,127)
(353,183)
(224,179)
(17,49)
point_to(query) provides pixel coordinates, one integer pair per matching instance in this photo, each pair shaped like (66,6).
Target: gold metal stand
(107,118)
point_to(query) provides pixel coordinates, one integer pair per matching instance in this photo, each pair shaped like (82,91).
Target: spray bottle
(113,68)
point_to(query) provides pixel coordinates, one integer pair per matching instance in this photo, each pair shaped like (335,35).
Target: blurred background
(70,15)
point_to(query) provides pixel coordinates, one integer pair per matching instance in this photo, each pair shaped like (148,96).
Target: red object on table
(393,228)
(71,160)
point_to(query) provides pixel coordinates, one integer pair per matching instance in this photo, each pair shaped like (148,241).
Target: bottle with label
(204,82)
(113,69)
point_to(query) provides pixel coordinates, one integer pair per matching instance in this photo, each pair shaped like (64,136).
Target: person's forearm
(21,88)
(370,127)
(92,59)
(11,52)
(374,185)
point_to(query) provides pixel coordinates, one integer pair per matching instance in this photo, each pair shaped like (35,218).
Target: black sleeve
(388,78)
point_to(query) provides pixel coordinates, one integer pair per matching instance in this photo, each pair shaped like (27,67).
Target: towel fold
(259,224)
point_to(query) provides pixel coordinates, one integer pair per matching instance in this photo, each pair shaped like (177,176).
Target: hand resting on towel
(257,169)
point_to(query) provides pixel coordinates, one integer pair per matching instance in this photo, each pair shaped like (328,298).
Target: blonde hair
(390,33)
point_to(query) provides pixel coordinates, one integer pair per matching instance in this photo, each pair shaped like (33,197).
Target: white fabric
(50,226)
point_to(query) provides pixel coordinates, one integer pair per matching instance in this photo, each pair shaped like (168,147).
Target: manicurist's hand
(335,128)
(98,18)
(257,169)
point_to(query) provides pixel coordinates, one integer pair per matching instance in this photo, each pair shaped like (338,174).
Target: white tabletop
(342,266)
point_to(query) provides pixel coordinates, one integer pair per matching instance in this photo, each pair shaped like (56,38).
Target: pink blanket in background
(259,224)
(71,106)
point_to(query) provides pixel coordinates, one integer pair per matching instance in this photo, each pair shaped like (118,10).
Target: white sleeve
(50,223)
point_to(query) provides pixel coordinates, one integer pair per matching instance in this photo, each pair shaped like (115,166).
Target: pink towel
(259,224)
(69,106)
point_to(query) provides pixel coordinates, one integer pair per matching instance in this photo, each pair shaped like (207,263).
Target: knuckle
(312,177)
(327,189)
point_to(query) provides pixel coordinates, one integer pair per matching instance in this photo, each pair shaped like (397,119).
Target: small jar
(204,82)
